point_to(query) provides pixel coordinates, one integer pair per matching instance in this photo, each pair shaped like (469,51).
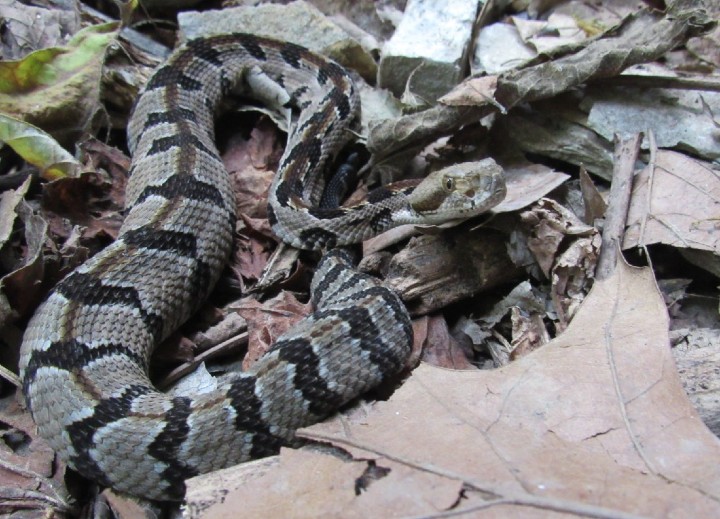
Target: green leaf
(58,88)
(38,148)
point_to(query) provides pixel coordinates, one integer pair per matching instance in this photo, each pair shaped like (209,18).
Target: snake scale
(85,354)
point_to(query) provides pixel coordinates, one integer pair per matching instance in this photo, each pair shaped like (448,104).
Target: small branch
(680,83)
(188,367)
(10,376)
(626,153)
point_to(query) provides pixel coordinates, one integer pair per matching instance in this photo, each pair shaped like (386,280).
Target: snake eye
(449,183)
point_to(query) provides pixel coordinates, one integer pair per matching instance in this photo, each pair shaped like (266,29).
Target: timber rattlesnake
(85,354)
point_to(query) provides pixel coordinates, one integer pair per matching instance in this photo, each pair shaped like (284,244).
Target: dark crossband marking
(82,432)
(181,243)
(166,447)
(381,220)
(253,48)
(292,54)
(339,101)
(378,195)
(202,50)
(319,238)
(169,76)
(248,409)
(179,140)
(88,290)
(303,158)
(320,399)
(72,355)
(183,186)
(176,116)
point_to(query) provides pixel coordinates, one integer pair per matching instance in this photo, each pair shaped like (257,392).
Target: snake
(85,355)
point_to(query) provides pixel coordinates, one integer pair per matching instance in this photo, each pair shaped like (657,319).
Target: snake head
(459,191)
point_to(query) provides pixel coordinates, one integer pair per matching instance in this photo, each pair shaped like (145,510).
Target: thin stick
(187,367)
(680,83)
(626,152)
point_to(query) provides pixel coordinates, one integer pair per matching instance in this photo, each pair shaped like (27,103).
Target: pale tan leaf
(474,91)
(595,424)
(682,208)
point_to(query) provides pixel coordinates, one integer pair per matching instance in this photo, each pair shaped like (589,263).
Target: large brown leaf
(595,424)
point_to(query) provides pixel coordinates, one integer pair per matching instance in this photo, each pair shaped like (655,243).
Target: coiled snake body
(84,359)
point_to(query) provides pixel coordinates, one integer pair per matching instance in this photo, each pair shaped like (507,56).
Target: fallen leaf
(679,119)
(595,424)
(22,286)
(528,333)
(27,28)
(572,276)
(550,224)
(474,91)
(252,163)
(38,148)
(682,208)
(28,464)
(267,321)
(52,87)
(527,183)
(441,349)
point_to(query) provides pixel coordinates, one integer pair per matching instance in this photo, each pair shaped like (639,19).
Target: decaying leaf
(21,287)
(676,202)
(30,476)
(474,91)
(252,163)
(441,349)
(267,321)
(549,224)
(57,88)
(527,183)
(594,424)
(38,148)
(642,36)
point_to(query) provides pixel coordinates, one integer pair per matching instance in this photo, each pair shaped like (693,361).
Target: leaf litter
(584,414)
(578,426)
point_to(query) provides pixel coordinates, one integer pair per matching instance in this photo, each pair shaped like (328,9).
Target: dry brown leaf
(527,183)
(528,333)
(550,223)
(441,349)
(594,423)
(474,91)
(641,37)
(28,465)
(572,276)
(683,207)
(267,321)
(22,287)
(253,247)
(252,164)
(595,205)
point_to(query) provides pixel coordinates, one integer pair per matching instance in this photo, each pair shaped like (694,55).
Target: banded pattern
(84,358)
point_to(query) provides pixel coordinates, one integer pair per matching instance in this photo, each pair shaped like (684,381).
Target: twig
(680,83)
(187,367)
(10,376)
(626,152)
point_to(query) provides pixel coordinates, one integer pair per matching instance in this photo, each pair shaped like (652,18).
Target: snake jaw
(458,191)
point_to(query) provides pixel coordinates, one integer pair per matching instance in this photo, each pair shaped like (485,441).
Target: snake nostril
(470,193)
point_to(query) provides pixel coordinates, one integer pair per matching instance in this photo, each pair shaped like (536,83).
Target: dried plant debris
(534,378)
(541,434)
(676,201)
